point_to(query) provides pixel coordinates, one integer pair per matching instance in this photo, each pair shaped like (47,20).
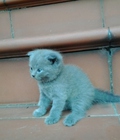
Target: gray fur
(66,86)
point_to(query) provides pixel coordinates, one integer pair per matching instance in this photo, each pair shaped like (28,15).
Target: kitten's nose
(33,75)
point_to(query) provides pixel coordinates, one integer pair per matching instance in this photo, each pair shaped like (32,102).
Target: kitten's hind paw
(51,120)
(38,113)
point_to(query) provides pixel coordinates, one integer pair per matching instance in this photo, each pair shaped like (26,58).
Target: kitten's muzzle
(33,75)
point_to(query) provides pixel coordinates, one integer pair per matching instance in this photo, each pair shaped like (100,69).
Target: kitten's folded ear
(54,58)
(30,53)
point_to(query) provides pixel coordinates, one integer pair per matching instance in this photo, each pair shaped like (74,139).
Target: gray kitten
(66,86)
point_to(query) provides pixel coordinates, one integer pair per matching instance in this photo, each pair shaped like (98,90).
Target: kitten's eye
(31,68)
(39,70)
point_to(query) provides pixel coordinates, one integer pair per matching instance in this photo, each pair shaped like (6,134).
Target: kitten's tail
(105,97)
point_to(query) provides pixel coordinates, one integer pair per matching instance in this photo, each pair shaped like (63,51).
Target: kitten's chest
(49,91)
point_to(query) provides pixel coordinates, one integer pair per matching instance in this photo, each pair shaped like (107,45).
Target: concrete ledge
(63,42)
(11,4)
(69,42)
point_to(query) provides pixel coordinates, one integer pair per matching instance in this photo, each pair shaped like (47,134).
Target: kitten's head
(45,65)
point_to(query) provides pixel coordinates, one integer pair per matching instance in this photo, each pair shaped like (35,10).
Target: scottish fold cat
(65,86)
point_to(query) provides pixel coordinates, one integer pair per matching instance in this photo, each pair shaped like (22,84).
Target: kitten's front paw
(69,121)
(38,104)
(38,113)
(51,120)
